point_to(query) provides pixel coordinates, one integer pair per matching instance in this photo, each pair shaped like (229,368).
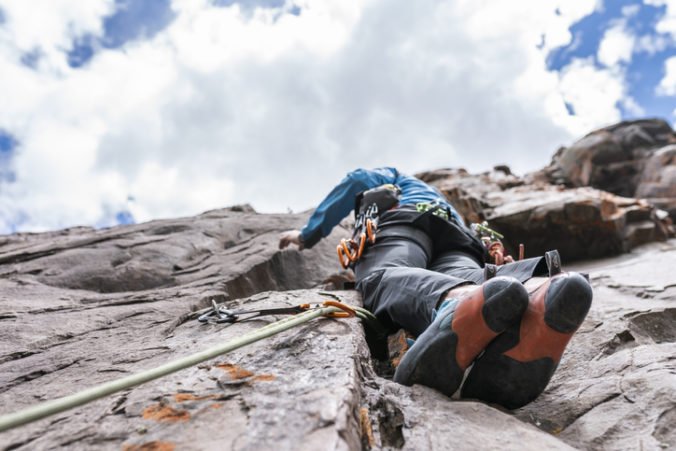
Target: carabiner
(371,231)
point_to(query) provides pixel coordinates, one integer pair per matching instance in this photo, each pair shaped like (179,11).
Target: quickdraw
(218,314)
(365,228)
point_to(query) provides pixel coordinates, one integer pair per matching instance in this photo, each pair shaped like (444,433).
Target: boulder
(658,181)
(630,159)
(580,222)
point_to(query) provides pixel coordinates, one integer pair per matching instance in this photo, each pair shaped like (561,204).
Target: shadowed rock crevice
(664,430)
(390,424)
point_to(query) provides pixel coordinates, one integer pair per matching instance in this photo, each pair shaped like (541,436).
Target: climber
(426,273)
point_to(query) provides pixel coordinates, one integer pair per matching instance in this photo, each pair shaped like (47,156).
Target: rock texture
(581,222)
(616,385)
(310,388)
(79,307)
(631,159)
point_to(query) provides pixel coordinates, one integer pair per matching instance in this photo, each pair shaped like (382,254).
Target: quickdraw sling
(368,206)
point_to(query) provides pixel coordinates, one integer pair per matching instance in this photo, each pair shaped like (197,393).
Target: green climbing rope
(59,405)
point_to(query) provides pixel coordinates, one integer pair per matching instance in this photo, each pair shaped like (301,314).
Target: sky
(122,111)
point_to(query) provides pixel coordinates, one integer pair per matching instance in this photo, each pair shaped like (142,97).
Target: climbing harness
(329,308)
(368,206)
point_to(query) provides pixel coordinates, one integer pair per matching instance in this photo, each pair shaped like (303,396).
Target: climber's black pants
(402,277)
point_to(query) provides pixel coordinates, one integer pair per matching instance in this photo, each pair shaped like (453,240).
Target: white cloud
(666,24)
(631,105)
(630,10)
(667,86)
(224,107)
(594,94)
(50,26)
(617,45)
(652,44)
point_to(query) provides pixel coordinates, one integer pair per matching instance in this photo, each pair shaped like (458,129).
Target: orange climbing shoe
(517,366)
(465,323)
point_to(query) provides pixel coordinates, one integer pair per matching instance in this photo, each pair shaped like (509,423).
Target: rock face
(616,387)
(581,222)
(80,307)
(631,159)
(230,252)
(311,388)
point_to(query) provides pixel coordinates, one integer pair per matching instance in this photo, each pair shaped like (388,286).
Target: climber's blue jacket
(341,199)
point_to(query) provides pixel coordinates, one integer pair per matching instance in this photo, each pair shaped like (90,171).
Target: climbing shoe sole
(462,329)
(517,366)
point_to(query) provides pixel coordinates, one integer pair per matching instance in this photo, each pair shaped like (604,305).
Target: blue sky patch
(570,108)
(249,6)
(7,143)
(112,217)
(31,59)
(124,218)
(136,20)
(643,72)
(82,51)
(2,16)
(7,146)
(295,10)
(133,19)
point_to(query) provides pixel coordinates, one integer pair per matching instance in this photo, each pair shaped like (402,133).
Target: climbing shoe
(465,323)
(517,366)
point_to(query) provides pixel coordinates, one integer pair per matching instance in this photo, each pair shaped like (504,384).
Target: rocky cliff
(81,306)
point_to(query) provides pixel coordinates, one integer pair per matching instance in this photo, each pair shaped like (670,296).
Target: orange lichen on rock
(366,428)
(159,412)
(183,397)
(150,446)
(237,373)
(265,378)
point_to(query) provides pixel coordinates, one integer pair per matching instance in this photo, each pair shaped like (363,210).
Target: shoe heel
(505,301)
(567,302)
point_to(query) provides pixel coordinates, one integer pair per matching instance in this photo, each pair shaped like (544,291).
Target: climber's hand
(290,237)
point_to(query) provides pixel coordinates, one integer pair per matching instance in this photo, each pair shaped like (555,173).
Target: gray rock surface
(631,159)
(80,307)
(581,222)
(311,388)
(616,385)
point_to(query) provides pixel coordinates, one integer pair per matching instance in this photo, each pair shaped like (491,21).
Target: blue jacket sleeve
(340,202)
